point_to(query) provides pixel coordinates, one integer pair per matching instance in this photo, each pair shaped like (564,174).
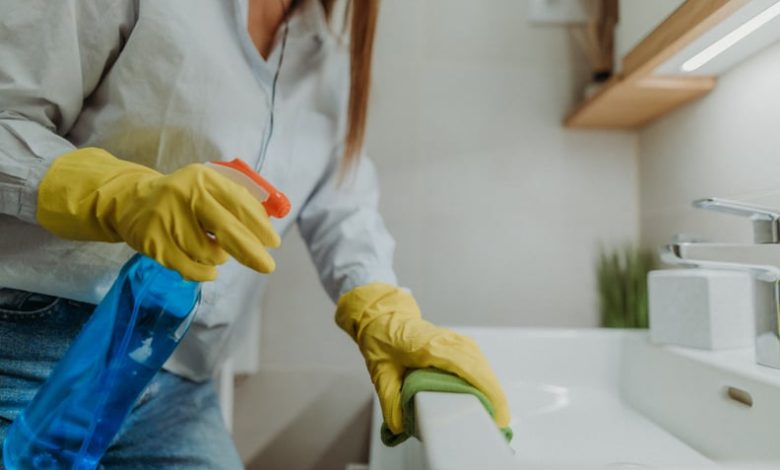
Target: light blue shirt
(165,84)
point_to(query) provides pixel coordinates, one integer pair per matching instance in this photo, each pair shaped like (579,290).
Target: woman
(108,109)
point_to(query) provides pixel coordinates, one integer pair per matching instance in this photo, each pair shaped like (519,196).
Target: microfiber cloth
(431,380)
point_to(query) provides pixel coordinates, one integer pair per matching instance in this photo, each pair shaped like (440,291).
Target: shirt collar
(309,21)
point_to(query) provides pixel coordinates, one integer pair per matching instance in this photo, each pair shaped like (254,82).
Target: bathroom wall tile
(297,317)
(637,19)
(497,32)
(401,30)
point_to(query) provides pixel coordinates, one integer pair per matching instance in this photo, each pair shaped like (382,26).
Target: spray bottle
(80,408)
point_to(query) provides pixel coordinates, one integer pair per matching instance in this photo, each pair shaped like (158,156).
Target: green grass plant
(622,286)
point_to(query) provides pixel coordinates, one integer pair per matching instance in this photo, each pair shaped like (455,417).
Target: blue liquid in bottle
(75,415)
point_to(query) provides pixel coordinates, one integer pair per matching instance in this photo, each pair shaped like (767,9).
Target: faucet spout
(761,259)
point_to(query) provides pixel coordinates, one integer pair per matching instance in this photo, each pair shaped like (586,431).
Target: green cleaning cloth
(431,380)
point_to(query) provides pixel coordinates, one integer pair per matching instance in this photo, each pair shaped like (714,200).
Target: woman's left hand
(386,324)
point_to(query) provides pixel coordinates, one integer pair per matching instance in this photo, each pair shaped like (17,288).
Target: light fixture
(732,38)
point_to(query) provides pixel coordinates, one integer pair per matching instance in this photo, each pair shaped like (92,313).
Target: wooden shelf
(636,97)
(626,103)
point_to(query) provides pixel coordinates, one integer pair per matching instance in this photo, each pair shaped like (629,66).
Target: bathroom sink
(600,399)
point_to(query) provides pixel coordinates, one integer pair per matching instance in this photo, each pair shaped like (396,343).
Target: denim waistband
(15,299)
(21,300)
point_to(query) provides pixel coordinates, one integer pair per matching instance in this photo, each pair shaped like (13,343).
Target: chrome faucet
(762,259)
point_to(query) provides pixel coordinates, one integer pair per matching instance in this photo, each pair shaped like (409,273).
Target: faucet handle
(766,221)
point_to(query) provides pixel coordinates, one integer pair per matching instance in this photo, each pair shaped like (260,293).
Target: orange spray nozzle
(275,202)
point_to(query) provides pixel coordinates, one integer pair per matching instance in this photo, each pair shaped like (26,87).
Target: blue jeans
(176,423)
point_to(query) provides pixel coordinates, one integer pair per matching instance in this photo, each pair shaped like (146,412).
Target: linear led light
(732,38)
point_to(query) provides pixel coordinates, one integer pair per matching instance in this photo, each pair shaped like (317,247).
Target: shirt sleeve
(52,56)
(344,231)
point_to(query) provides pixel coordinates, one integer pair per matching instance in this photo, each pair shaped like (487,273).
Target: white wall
(497,210)
(638,18)
(726,144)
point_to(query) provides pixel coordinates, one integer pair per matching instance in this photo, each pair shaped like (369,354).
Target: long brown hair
(361,16)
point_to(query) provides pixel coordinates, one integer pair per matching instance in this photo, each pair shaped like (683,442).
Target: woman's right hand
(88,194)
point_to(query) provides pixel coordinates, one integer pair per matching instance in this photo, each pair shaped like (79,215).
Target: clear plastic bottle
(77,412)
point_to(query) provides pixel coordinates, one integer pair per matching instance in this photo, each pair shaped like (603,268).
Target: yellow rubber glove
(386,324)
(88,194)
